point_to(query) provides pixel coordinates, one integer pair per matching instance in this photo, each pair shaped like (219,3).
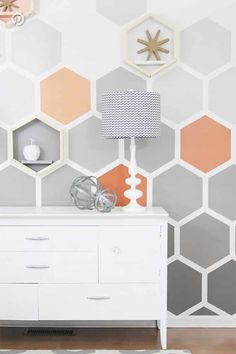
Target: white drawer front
(18,302)
(70,267)
(47,238)
(129,254)
(99,302)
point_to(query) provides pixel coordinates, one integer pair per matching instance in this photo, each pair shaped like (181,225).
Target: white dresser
(63,264)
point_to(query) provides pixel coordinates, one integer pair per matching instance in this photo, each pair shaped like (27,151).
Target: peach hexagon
(205,144)
(65,95)
(114,180)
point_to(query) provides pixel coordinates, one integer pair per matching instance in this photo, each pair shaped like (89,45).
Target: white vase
(31,152)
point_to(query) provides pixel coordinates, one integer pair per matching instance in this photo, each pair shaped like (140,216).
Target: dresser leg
(163,335)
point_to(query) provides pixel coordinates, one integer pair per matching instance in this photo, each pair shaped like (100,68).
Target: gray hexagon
(179,191)
(219,102)
(181,94)
(205,46)
(222,192)
(36,47)
(154,153)
(204,311)
(171,240)
(56,186)
(17,96)
(88,147)
(184,287)
(121,12)
(16,188)
(202,234)
(119,79)
(3,145)
(222,287)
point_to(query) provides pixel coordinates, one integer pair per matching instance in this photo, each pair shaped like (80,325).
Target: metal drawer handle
(37,266)
(116,250)
(37,238)
(98,298)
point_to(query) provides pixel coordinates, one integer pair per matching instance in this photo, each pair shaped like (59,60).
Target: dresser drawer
(99,302)
(63,267)
(18,302)
(48,238)
(129,254)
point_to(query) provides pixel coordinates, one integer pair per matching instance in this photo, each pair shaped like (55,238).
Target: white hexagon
(17,96)
(36,47)
(138,30)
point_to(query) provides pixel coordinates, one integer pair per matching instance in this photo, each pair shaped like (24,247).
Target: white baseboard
(191,321)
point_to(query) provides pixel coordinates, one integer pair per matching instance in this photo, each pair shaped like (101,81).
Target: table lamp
(129,115)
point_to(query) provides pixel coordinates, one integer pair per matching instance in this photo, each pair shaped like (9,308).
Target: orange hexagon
(65,95)
(114,180)
(205,144)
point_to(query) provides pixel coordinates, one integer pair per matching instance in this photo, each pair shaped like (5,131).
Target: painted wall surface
(57,65)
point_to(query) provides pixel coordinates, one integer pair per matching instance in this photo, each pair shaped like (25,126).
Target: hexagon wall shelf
(49,139)
(138,30)
(24,7)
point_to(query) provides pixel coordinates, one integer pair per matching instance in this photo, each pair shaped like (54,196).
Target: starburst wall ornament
(14,12)
(153,45)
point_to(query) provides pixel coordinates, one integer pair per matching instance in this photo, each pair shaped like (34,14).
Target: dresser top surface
(75,213)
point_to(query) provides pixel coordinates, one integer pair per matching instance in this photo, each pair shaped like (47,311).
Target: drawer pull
(37,238)
(37,266)
(98,298)
(116,250)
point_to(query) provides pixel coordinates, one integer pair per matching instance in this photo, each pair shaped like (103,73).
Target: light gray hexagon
(222,192)
(154,153)
(179,191)
(181,94)
(184,287)
(36,47)
(205,46)
(222,287)
(2,47)
(56,186)
(88,148)
(3,145)
(119,79)
(219,102)
(202,234)
(171,240)
(16,188)
(122,11)
(17,96)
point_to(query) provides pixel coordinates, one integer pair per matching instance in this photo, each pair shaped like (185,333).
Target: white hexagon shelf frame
(23,167)
(136,29)
(9,14)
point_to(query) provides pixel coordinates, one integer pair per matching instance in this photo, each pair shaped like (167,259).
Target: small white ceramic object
(31,152)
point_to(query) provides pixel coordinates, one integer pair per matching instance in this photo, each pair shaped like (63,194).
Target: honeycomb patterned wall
(56,67)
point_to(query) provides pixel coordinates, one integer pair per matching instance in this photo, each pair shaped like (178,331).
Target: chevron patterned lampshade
(131,114)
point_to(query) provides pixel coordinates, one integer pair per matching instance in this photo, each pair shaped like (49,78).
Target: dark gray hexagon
(88,148)
(222,192)
(208,37)
(204,311)
(171,240)
(119,79)
(184,287)
(179,191)
(202,234)
(154,153)
(3,145)
(222,287)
